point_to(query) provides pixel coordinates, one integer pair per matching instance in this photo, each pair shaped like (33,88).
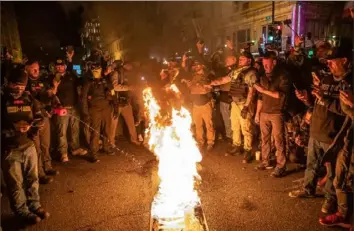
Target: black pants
(100,120)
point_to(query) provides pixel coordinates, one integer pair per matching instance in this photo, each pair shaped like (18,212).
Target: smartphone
(295,86)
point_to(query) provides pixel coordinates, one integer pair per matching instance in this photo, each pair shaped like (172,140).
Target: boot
(247,157)
(40,212)
(93,158)
(45,179)
(30,219)
(234,150)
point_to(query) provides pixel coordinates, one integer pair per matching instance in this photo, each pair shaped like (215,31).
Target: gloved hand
(244,112)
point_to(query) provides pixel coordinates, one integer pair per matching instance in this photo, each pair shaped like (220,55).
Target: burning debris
(176,205)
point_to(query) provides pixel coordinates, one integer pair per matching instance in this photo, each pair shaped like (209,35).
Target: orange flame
(178,154)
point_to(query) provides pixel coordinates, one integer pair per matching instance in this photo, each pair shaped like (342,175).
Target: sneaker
(335,219)
(79,152)
(301,194)
(137,143)
(247,157)
(329,205)
(234,150)
(278,172)
(64,158)
(52,172)
(94,159)
(110,152)
(30,218)
(45,179)
(210,147)
(40,212)
(264,166)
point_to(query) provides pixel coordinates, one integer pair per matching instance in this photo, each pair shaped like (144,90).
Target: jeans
(316,151)
(42,143)
(226,114)
(273,125)
(20,168)
(62,123)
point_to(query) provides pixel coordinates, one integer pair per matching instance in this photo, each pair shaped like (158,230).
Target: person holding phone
(66,87)
(327,119)
(21,119)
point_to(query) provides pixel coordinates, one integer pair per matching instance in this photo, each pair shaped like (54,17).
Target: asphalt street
(116,193)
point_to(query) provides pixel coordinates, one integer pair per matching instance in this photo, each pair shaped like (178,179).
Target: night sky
(47,25)
(147,27)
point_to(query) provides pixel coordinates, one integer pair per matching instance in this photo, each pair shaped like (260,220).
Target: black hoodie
(327,117)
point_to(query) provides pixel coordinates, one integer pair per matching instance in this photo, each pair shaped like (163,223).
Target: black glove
(244,112)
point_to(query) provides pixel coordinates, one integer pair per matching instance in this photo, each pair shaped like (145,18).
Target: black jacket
(327,116)
(97,94)
(25,108)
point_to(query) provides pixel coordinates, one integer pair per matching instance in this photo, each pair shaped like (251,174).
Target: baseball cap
(18,75)
(59,61)
(344,50)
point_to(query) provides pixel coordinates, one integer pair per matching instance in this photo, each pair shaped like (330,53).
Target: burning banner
(176,205)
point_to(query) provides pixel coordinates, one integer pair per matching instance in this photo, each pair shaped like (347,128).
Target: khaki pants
(273,125)
(200,114)
(240,127)
(127,113)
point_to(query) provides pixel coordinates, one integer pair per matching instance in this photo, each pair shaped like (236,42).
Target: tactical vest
(19,109)
(99,90)
(239,88)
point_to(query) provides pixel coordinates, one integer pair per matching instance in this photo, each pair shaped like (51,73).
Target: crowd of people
(290,109)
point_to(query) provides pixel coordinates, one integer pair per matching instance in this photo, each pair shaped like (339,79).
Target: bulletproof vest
(239,88)
(19,109)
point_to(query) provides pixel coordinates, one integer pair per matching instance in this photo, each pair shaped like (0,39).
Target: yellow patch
(26,108)
(12,109)
(112,92)
(41,84)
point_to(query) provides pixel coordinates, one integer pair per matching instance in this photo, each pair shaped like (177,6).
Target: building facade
(91,36)
(245,22)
